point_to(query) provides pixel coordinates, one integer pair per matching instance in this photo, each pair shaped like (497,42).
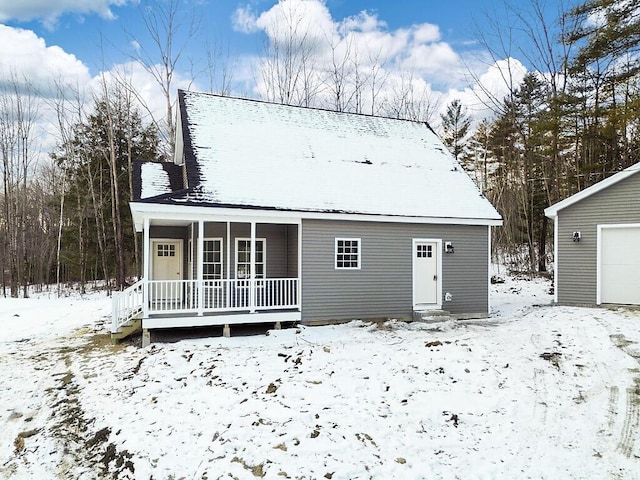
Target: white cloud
(490,87)
(27,57)
(244,20)
(310,19)
(425,33)
(49,10)
(363,22)
(436,61)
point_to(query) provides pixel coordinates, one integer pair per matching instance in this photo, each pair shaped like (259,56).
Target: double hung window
(347,253)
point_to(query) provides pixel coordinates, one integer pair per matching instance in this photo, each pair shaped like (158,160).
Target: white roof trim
(140,211)
(552,211)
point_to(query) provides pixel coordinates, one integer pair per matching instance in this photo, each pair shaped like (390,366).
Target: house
(597,242)
(273,213)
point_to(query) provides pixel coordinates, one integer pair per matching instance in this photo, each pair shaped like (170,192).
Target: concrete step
(431,316)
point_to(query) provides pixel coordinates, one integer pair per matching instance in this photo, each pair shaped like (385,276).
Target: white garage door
(620,265)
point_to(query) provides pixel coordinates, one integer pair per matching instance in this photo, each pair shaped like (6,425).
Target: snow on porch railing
(127,304)
(171,296)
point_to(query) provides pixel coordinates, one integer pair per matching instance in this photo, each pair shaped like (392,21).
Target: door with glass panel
(243,269)
(212,276)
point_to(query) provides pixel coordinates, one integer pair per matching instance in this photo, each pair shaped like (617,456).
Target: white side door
(425,273)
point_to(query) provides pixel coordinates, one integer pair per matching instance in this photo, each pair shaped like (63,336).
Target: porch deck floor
(210,319)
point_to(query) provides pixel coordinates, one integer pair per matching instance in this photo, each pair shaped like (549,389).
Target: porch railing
(127,305)
(171,296)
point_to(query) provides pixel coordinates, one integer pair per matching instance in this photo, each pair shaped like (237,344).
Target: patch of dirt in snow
(61,422)
(629,412)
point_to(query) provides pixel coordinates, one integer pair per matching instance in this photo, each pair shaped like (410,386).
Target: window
(348,253)
(166,250)
(424,251)
(212,259)
(243,258)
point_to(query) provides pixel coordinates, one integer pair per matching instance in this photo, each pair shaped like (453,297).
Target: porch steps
(431,316)
(132,326)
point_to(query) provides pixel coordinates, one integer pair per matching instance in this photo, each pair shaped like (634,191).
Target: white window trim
(213,239)
(359,254)
(264,255)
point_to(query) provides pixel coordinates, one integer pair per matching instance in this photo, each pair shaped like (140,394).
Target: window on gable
(348,253)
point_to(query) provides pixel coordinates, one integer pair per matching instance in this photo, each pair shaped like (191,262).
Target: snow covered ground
(535,391)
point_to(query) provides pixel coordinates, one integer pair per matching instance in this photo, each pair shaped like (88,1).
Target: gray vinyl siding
(292,249)
(383,287)
(576,265)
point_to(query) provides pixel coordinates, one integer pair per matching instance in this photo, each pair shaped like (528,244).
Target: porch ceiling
(170,222)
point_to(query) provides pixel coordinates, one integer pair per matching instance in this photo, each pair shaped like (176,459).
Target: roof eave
(553,210)
(142,210)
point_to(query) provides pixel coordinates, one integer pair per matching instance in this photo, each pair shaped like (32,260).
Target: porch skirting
(173,321)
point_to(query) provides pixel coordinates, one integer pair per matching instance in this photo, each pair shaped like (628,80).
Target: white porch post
(200,267)
(252,270)
(299,284)
(146,271)
(228,296)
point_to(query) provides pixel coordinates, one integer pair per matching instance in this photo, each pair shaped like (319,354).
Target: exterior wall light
(448,247)
(576,236)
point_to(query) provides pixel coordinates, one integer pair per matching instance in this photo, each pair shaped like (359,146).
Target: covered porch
(210,270)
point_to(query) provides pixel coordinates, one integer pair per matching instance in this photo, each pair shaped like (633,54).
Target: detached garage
(597,242)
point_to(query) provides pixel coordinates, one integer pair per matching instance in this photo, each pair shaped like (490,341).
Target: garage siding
(577,261)
(382,288)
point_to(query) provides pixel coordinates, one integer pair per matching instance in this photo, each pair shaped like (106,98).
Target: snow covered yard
(533,392)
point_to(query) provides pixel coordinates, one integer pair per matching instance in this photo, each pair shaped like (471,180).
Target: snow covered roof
(552,211)
(156,180)
(257,154)
(152,178)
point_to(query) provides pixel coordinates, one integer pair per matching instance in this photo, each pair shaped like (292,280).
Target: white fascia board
(552,211)
(140,211)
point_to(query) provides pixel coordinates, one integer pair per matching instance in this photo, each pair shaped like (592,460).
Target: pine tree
(455,127)
(103,147)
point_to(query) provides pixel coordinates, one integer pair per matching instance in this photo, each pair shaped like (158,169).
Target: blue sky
(425,47)
(95,38)
(81,32)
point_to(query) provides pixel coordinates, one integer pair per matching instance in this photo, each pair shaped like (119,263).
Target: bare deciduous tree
(286,68)
(19,106)
(170,31)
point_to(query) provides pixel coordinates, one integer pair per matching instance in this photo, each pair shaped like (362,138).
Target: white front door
(425,273)
(167,265)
